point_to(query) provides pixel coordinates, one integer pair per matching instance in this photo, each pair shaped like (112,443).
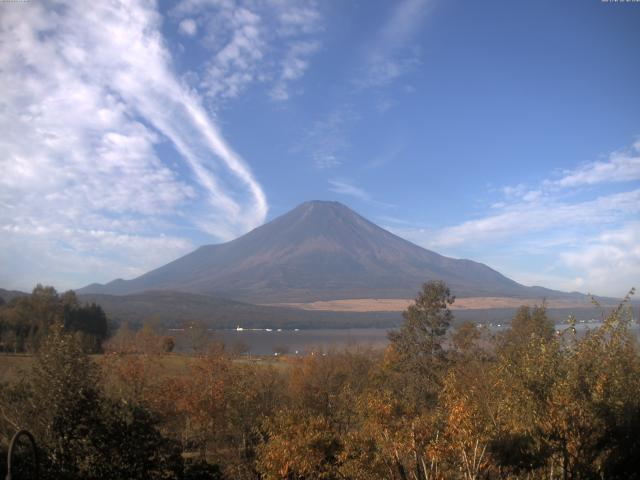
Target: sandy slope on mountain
(398,305)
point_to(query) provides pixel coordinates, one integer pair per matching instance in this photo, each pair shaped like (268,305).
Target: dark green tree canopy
(426,323)
(25,321)
(419,361)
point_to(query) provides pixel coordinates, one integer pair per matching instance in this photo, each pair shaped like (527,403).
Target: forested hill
(7,295)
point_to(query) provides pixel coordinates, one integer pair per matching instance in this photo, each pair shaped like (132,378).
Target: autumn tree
(466,338)
(567,403)
(467,404)
(595,406)
(82,433)
(63,411)
(298,448)
(305,438)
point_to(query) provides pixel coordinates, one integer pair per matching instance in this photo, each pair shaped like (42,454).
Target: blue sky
(505,132)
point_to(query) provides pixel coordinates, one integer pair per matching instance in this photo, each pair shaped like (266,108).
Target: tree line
(25,321)
(437,403)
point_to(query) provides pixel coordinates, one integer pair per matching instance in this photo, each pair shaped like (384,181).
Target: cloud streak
(522,218)
(344,188)
(391,54)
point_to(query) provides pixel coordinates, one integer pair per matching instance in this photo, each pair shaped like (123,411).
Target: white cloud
(188,27)
(527,209)
(543,235)
(521,218)
(268,42)
(391,54)
(382,70)
(294,64)
(405,20)
(532,196)
(326,142)
(610,262)
(345,188)
(621,166)
(556,281)
(88,96)
(238,54)
(295,18)
(324,161)
(515,191)
(68,257)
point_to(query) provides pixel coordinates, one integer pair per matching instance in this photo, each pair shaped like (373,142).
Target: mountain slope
(318,251)
(8,295)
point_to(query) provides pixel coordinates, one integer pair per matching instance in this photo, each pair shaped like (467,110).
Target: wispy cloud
(391,53)
(389,155)
(621,166)
(88,96)
(403,24)
(326,142)
(591,243)
(345,188)
(268,42)
(384,70)
(525,217)
(348,188)
(294,64)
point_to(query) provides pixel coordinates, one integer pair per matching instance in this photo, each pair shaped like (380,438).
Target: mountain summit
(318,251)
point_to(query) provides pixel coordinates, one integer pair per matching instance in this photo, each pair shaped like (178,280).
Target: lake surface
(304,341)
(294,342)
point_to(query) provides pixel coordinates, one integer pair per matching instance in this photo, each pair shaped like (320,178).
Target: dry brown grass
(398,304)
(13,367)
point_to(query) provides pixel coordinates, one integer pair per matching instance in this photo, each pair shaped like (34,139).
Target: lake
(304,341)
(293,342)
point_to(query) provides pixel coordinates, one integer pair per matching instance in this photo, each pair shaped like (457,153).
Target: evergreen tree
(420,338)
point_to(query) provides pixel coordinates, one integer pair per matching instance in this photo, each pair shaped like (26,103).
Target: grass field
(13,367)
(398,305)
